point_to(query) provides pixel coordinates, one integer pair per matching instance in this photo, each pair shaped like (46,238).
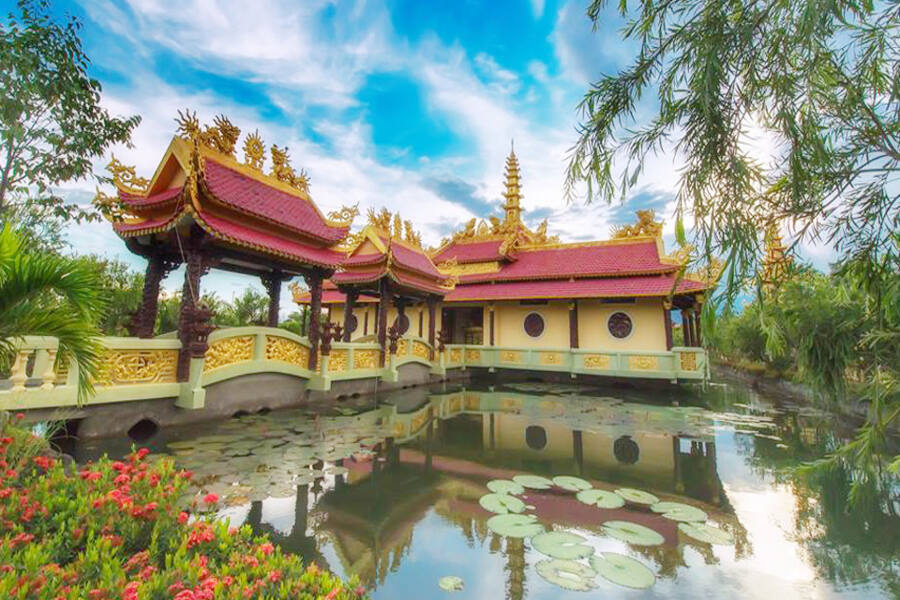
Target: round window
(352,324)
(619,325)
(626,450)
(535,437)
(402,323)
(534,325)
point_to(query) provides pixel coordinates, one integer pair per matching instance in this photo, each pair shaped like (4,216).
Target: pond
(679,493)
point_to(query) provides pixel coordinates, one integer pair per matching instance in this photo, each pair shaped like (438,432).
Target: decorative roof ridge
(610,242)
(542,277)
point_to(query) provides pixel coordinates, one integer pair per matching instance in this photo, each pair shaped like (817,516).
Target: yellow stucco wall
(648,328)
(337,317)
(509,320)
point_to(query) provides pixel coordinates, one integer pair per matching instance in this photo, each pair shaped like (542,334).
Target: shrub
(114,530)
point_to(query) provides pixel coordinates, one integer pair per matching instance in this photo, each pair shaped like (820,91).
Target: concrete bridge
(245,369)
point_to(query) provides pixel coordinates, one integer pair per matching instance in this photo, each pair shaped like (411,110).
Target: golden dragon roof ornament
(647,225)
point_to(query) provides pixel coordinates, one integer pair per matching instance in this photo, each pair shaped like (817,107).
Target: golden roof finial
(647,225)
(254,151)
(513,193)
(126,179)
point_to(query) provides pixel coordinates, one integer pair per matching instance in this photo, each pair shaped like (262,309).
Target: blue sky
(405,104)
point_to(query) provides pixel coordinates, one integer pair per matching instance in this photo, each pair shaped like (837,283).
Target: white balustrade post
(49,374)
(17,372)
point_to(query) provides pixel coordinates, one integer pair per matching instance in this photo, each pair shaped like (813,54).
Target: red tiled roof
(417,283)
(146,225)
(364,259)
(345,277)
(414,260)
(335,296)
(147,201)
(269,243)
(471,252)
(255,197)
(603,260)
(608,287)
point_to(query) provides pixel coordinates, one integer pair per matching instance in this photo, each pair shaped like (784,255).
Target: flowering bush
(113,531)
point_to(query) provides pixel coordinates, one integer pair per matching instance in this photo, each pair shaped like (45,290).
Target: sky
(405,104)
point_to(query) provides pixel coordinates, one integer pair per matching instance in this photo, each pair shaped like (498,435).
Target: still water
(393,489)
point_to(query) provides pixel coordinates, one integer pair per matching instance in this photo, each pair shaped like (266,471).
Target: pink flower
(210,498)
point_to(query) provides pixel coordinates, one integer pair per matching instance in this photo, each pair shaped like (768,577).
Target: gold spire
(776,261)
(513,193)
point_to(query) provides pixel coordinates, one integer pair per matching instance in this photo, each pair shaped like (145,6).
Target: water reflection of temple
(445,448)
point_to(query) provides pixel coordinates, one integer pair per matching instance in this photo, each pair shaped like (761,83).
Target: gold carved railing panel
(510,356)
(122,367)
(402,347)
(473,355)
(366,359)
(420,349)
(285,350)
(337,361)
(688,361)
(455,355)
(643,363)
(229,351)
(596,361)
(551,358)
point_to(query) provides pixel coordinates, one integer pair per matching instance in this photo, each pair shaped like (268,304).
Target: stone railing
(678,363)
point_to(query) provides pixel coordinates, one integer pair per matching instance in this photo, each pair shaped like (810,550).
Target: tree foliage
(46,294)
(818,80)
(52,125)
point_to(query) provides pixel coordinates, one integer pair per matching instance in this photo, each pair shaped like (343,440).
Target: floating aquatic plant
(623,570)
(501,504)
(637,496)
(451,583)
(561,544)
(571,483)
(677,511)
(505,486)
(600,498)
(706,533)
(633,533)
(515,526)
(567,574)
(535,482)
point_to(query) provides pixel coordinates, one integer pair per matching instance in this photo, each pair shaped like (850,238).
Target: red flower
(6,441)
(182,517)
(210,498)
(266,548)
(275,576)
(20,416)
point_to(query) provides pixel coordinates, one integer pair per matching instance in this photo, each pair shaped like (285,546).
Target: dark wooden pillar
(157,268)
(272,283)
(491,324)
(667,322)
(698,338)
(195,267)
(400,304)
(384,300)
(366,321)
(304,322)
(421,319)
(432,304)
(573,324)
(314,282)
(686,329)
(349,305)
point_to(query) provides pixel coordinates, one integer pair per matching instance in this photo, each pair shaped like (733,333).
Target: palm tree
(50,295)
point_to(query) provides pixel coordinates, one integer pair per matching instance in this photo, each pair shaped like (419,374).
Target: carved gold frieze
(228,352)
(402,347)
(643,363)
(596,361)
(473,401)
(688,361)
(337,361)
(473,355)
(126,179)
(551,358)
(420,419)
(647,225)
(365,359)
(123,367)
(399,429)
(510,356)
(420,349)
(451,267)
(285,350)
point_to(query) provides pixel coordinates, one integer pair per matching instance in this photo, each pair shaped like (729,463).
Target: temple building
(511,286)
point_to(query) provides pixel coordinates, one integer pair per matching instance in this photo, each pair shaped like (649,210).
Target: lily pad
(501,504)
(451,583)
(535,482)
(567,574)
(515,526)
(505,486)
(706,533)
(573,484)
(633,533)
(637,496)
(600,498)
(623,570)
(561,544)
(678,511)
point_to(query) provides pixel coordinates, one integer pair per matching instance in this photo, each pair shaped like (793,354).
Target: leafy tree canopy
(818,80)
(52,124)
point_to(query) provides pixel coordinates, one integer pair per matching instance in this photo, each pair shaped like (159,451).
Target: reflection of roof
(608,287)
